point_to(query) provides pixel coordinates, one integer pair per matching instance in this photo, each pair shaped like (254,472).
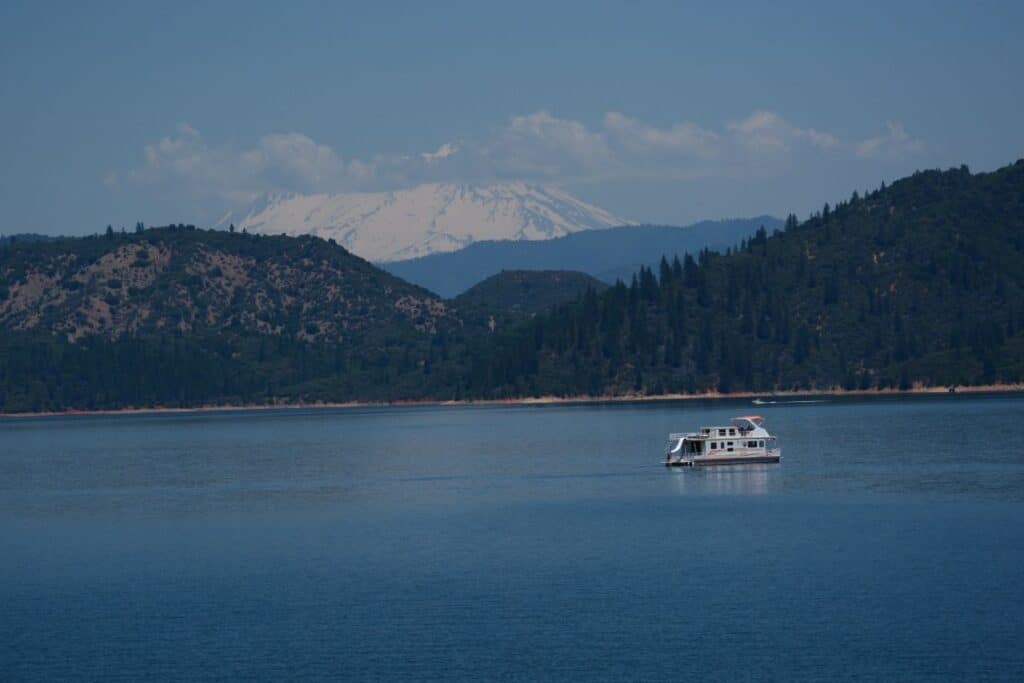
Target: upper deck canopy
(748,421)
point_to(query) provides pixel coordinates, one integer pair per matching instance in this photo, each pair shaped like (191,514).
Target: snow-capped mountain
(390,226)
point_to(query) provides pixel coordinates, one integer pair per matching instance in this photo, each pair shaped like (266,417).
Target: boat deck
(708,461)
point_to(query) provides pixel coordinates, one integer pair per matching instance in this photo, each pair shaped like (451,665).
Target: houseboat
(744,440)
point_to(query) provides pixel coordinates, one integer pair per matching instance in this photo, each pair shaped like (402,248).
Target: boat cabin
(743,439)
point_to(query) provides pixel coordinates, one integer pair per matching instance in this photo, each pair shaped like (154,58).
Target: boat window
(761,444)
(730,444)
(714,445)
(751,444)
(721,432)
(732,432)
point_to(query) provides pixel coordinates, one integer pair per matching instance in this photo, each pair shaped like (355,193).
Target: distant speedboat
(761,402)
(744,441)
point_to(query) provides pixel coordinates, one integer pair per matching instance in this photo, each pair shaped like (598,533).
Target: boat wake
(761,402)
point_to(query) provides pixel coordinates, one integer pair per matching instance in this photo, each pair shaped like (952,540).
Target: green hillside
(510,296)
(920,282)
(178,316)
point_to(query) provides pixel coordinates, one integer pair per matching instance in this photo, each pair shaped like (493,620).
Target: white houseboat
(744,440)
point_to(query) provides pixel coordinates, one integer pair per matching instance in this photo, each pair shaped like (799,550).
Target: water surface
(514,543)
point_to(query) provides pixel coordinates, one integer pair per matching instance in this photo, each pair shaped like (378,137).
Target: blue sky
(660,112)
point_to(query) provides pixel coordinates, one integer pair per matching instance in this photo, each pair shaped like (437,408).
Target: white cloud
(683,140)
(896,144)
(766,131)
(279,161)
(443,152)
(533,147)
(540,145)
(296,158)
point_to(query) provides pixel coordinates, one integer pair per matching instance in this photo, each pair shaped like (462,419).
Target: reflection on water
(737,480)
(513,543)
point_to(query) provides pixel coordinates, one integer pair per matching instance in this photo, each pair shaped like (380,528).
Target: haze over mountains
(609,255)
(428,219)
(448,237)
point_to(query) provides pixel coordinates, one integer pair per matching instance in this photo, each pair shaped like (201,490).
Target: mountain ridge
(607,254)
(426,219)
(916,284)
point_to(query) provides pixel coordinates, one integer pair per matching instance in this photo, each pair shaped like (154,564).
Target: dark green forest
(916,283)
(504,300)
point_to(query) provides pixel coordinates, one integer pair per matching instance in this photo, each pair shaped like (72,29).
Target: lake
(514,543)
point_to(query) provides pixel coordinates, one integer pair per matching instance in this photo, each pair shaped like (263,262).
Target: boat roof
(755,422)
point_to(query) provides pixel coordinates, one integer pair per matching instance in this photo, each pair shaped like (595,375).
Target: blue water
(514,543)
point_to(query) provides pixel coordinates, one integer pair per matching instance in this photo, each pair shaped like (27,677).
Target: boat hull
(725,460)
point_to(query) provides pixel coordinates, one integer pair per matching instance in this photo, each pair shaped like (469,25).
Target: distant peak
(426,219)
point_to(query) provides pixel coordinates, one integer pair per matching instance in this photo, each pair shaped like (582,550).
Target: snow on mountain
(390,226)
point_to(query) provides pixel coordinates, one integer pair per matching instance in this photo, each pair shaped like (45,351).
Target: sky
(112,113)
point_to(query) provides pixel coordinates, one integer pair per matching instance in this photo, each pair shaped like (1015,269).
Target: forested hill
(920,282)
(179,316)
(23,237)
(527,292)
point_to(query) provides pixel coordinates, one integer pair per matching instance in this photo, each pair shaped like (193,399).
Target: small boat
(744,440)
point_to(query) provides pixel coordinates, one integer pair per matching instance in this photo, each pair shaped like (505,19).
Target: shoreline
(538,400)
